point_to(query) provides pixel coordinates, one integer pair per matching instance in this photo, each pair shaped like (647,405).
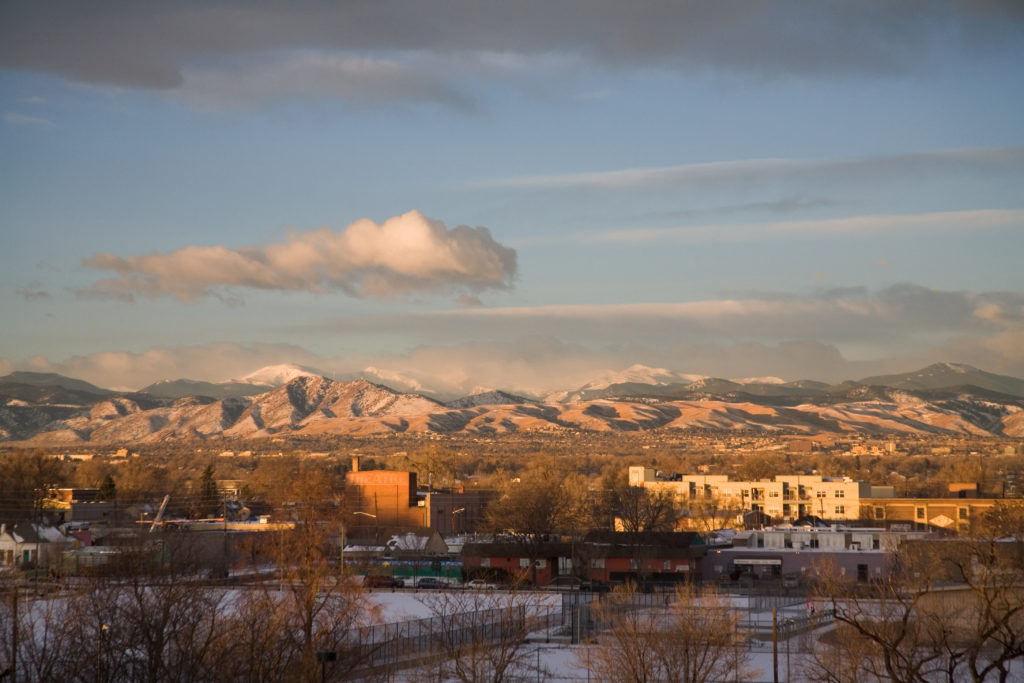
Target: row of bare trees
(152,616)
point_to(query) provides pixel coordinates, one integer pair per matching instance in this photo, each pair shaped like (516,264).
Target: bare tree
(692,638)
(531,508)
(482,635)
(948,610)
(710,513)
(643,509)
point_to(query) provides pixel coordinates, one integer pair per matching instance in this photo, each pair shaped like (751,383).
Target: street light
(357,512)
(455,512)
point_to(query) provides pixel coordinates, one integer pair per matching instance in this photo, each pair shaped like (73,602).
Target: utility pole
(775,646)
(14,633)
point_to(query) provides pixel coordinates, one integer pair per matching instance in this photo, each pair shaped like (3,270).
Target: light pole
(357,512)
(455,512)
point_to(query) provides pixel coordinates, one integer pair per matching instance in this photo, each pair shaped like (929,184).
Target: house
(27,546)
(403,552)
(379,542)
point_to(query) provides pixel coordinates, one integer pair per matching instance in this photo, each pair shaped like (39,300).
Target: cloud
(130,371)
(157,46)
(531,365)
(403,255)
(16,119)
(357,79)
(883,322)
(33,292)
(763,170)
(855,226)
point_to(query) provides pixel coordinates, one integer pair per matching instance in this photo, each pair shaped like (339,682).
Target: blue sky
(823,190)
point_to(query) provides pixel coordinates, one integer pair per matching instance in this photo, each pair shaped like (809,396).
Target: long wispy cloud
(159,46)
(859,226)
(407,254)
(897,315)
(761,170)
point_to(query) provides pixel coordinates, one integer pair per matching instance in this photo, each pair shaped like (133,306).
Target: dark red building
(605,556)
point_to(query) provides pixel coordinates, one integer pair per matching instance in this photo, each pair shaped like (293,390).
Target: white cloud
(403,255)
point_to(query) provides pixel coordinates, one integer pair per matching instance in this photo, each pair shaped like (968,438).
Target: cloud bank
(898,315)
(403,255)
(179,45)
(830,335)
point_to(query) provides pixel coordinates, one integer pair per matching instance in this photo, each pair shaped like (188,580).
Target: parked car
(381,581)
(480,584)
(595,586)
(429,582)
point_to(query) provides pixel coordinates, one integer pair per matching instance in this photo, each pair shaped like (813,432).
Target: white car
(480,584)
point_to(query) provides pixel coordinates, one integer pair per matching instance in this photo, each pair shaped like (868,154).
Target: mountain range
(944,398)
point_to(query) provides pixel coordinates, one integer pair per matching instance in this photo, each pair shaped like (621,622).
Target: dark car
(595,586)
(381,581)
(429,582)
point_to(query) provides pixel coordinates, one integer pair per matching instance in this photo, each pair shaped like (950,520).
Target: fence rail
(417,640)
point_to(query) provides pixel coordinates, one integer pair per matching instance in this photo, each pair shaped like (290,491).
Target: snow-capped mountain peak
(640,374)
(276,375)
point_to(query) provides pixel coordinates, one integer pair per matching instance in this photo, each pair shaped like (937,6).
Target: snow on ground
(402,604)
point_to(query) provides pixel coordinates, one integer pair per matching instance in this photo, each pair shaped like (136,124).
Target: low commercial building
(798,554)
(601,556)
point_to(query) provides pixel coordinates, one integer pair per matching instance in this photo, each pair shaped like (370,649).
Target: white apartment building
(785,497)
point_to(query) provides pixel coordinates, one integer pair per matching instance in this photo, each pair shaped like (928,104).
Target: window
(524,562)
(773,494)
(820,494)
(919,513)
(597,563)
(879,512)
(963,513)
(814,543)
(862,572)
(840,493)
(485,562)
(840,509)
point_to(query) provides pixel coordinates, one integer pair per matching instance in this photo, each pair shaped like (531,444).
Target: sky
(459,196)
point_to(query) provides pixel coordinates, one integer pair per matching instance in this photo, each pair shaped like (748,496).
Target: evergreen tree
(209,499)
(108,489)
